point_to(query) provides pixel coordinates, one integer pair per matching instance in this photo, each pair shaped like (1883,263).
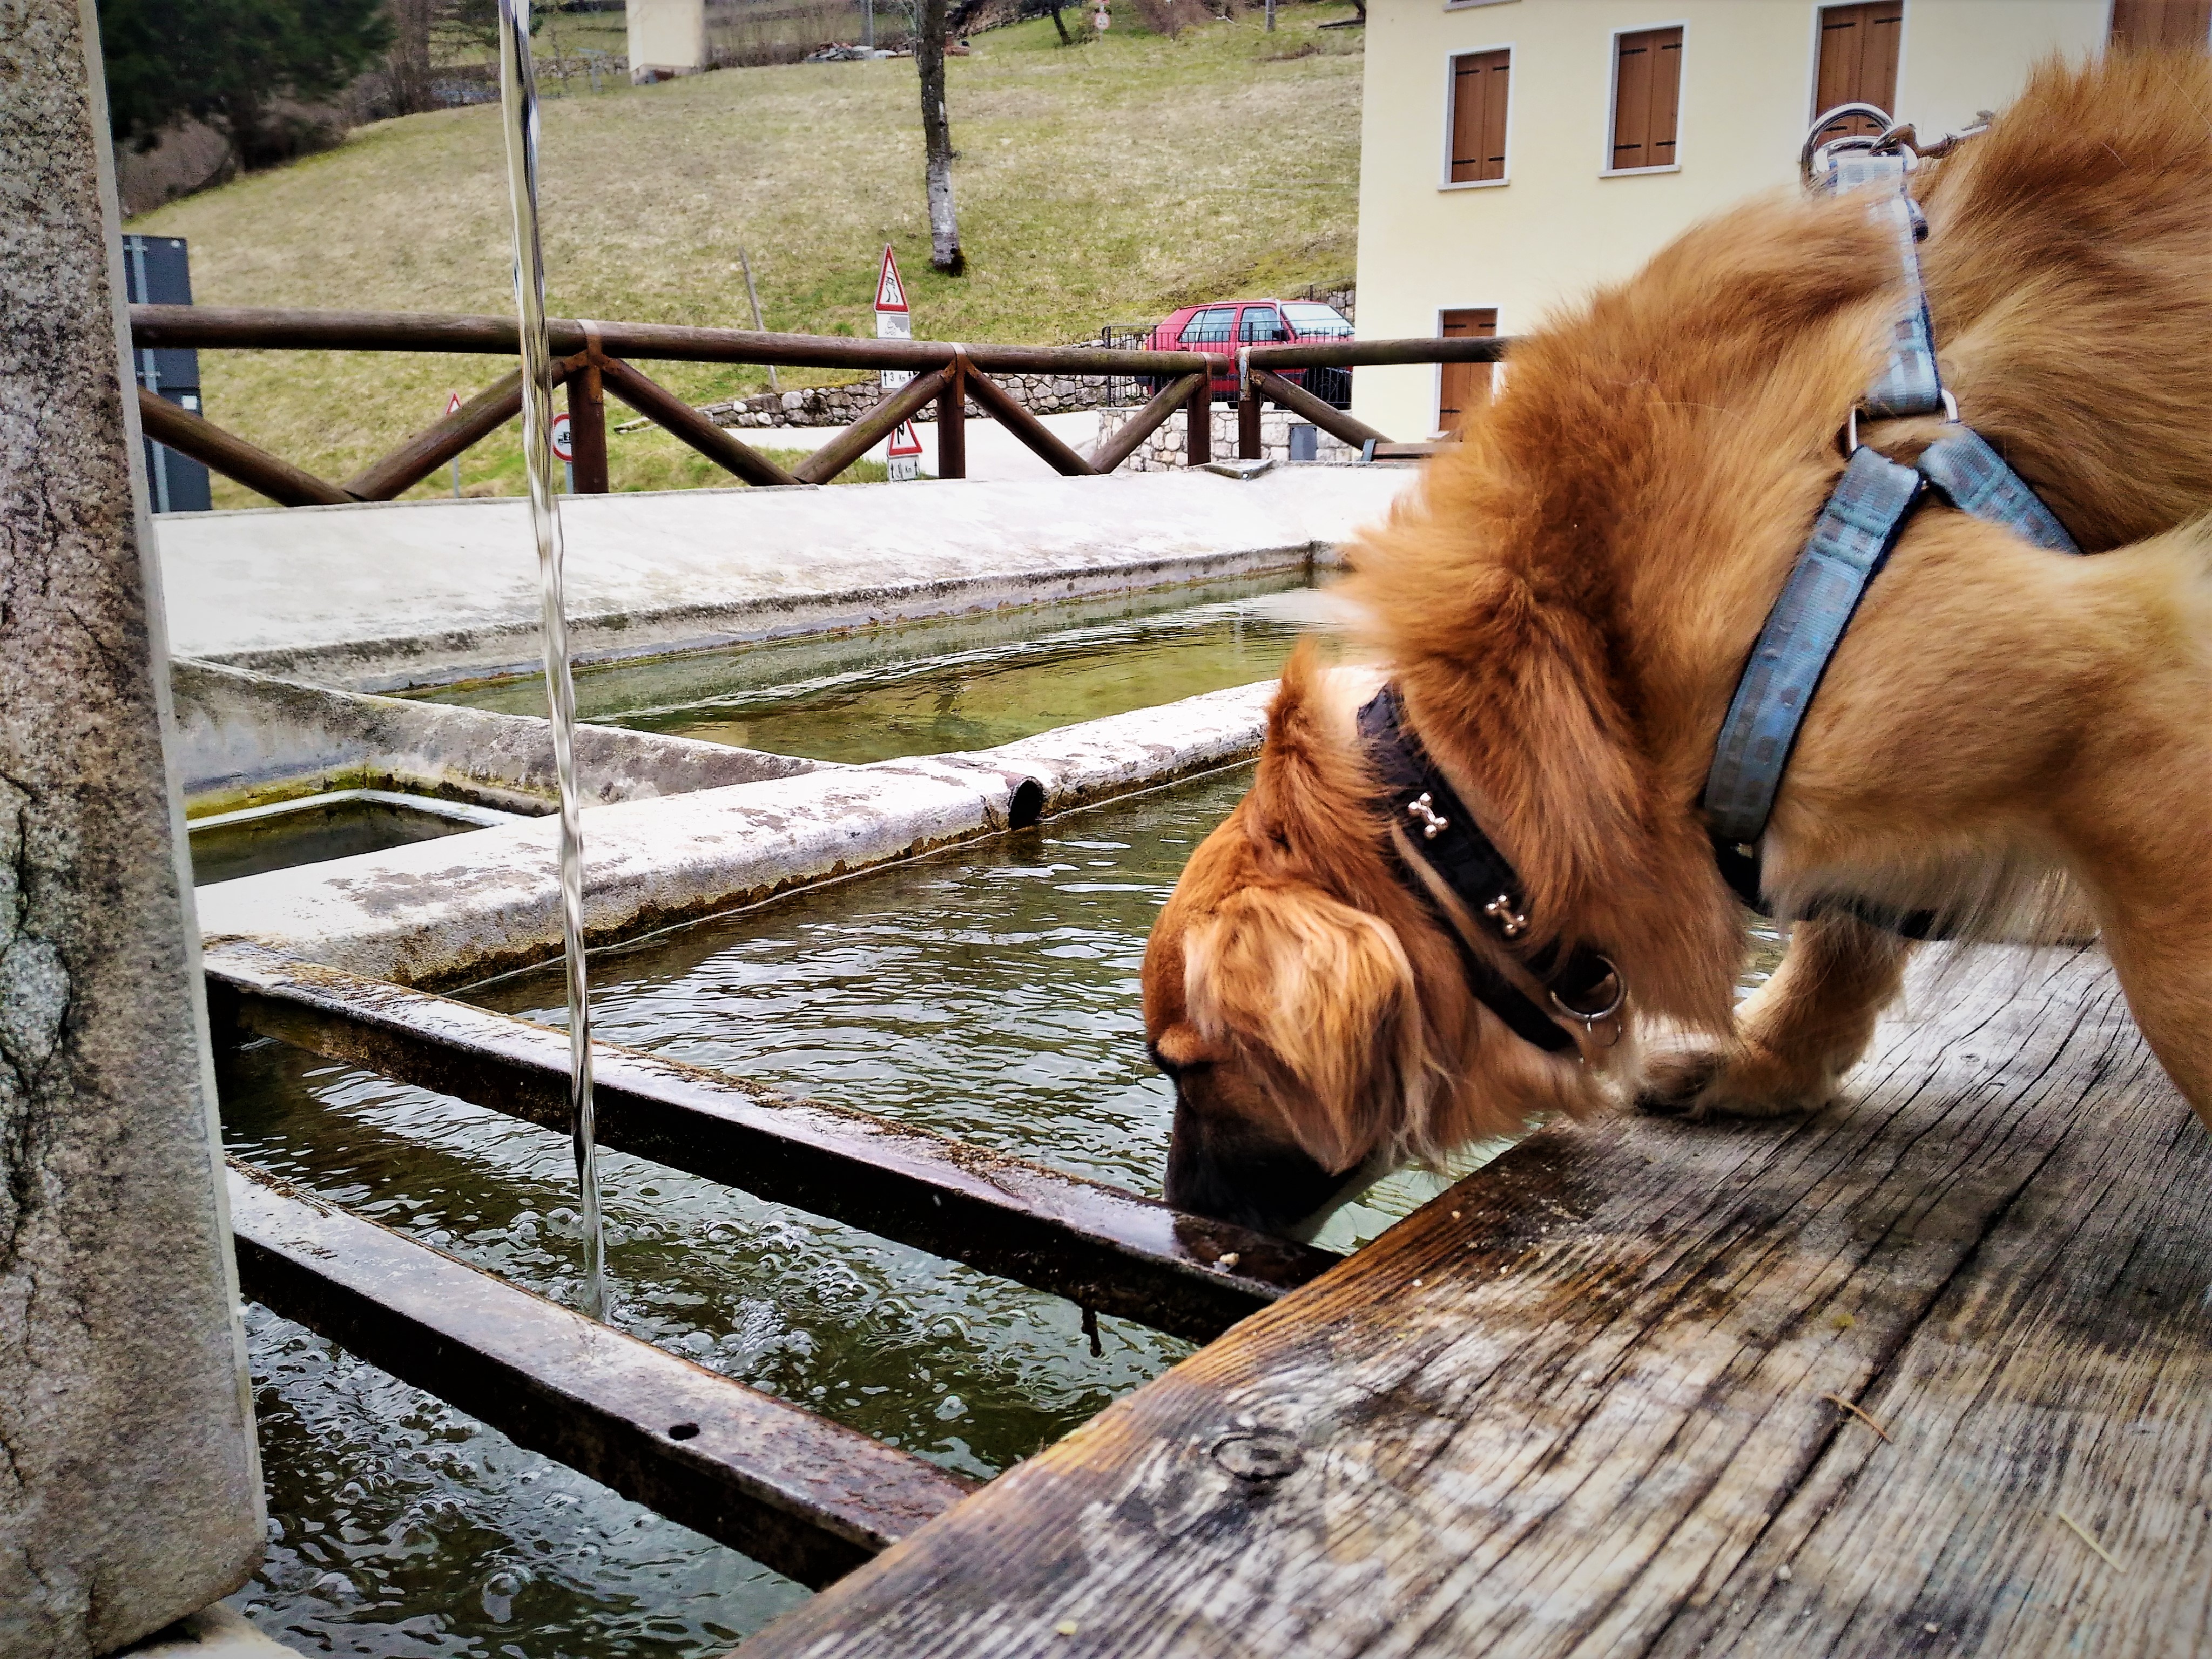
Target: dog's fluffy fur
(1568,601)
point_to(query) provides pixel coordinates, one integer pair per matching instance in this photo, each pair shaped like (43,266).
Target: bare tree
(936,141)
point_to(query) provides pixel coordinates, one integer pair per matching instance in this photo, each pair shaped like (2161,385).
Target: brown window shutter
(1646,98)
(1465,387)
(1858,62)
(2161,22)
(1480,83)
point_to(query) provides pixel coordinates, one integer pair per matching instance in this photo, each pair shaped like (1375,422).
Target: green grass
(1103,183)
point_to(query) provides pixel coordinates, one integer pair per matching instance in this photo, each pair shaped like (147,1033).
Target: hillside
(1103,183)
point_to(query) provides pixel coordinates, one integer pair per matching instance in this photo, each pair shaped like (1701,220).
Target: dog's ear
(1319,1001)
(1308,812)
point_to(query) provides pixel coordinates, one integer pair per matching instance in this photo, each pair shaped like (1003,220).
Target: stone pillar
(130,1488)
(666,37)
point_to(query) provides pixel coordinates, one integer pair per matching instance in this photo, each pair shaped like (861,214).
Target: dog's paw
(1703,1082)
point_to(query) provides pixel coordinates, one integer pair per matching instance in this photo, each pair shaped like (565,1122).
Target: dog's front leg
(1795,1036)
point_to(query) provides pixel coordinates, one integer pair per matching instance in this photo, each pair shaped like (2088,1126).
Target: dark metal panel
(1098,1246)
(808,1496)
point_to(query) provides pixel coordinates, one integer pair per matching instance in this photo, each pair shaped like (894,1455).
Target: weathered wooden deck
(1587,1403)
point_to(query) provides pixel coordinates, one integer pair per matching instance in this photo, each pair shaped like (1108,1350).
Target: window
(1858,63)
(1647,87)
(2161,22)
(1479,82)
(1261,323)
(1465,388)
(1210,326)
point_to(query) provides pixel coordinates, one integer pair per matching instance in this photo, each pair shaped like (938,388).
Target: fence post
(1247,405)
(587,429)
(952,420)
(1198,438)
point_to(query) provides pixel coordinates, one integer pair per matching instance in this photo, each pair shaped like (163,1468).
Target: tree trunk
(407,66)
(937,141)
(1060,23)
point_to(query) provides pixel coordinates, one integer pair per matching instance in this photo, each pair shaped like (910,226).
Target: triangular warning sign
(905,441)
(890,292)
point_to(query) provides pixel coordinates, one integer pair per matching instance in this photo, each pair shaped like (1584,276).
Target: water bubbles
(499,1593)
(563,1223)
(351,1494)
(951,1408)
(719,1235)
(695,1342)
(335,1588)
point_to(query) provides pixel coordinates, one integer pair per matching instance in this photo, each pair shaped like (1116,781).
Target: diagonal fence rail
(1107,1250)
(595,358)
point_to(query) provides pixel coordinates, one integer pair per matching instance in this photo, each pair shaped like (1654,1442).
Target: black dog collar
(1584,986)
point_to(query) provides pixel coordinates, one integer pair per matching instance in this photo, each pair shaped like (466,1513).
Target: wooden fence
(592,359)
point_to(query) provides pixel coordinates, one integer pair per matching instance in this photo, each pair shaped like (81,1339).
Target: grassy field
(1103,183)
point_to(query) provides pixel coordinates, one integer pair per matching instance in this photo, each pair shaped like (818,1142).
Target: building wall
(1557,226)
(666,37)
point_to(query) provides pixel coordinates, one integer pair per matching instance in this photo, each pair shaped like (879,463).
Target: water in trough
(960,683)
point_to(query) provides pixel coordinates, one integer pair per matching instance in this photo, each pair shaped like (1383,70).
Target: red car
(1225,325)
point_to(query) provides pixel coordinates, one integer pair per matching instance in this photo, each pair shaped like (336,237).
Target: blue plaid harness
(1851,539)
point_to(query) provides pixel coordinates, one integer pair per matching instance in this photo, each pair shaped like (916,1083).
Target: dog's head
(1314,1015)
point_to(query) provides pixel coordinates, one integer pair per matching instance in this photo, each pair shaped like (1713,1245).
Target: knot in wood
(1258,1454)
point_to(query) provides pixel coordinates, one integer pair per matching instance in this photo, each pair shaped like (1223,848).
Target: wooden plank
(875,424)
(2066,1371)
(1145,422)
(1337,422)
(808,1496)
(1101,1246)
(1015,418)
(657,404)
(232,456)
(1556,1411)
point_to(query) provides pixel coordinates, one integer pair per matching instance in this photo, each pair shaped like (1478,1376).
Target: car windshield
(1309,318)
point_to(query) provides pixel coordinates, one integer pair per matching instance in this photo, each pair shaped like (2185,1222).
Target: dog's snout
(1233,1174)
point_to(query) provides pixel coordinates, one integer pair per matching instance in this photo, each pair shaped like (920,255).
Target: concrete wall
(243,739)
(1557,225)
(130,1492)
(383,596)
(444,912)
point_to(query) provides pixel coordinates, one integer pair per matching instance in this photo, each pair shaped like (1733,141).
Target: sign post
(903,457)
(894,321)
(453,407)
(564,450)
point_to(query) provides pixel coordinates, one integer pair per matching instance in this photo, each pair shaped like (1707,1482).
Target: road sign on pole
(565,450)
(453,407)
(893,320)
(903,457)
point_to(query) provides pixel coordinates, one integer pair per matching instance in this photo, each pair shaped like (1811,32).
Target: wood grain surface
(1596,1398)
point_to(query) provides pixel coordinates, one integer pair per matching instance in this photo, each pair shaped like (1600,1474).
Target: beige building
(1515,153)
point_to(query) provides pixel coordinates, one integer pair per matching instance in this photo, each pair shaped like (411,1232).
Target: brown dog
(1568,603)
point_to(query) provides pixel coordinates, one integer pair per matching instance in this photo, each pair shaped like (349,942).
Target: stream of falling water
(518,103)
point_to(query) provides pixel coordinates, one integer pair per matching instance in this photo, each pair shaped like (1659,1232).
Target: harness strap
(1908,383)
(1975,479)
(1858,525)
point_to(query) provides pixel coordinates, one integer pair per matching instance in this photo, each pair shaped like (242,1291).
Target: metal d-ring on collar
(1445,837)
(1860,522)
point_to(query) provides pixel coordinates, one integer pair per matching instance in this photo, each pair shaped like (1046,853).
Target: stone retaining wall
(840,406)
(1166,448)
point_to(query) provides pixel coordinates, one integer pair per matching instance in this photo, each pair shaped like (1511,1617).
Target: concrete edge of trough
(400,662)
(443,913)
(245,738)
